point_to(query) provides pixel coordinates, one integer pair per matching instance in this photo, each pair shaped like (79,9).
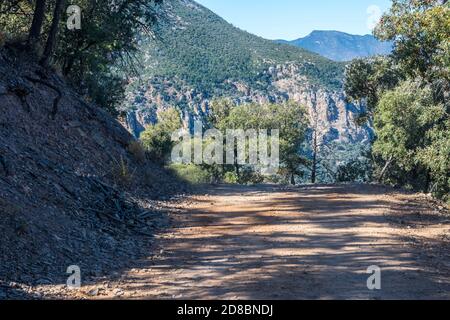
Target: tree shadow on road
(281,259)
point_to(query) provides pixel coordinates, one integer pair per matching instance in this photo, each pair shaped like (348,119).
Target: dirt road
(268,242)
(302,243)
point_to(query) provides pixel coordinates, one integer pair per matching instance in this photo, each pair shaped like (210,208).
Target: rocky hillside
(72,190)
(199,57)
(341,46)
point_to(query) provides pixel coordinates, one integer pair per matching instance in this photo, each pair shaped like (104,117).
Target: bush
(121,172)
(136,148)
(157,139)
(191,173)
(231,178)
(354,171)
(248,176)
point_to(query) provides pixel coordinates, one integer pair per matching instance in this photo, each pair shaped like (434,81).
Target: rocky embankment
(72,190)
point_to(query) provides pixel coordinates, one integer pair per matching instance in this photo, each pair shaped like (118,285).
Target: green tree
(289,118)
(421,31)
(410,113)
(157,138)
(368,78)
(412,134)
(98,59)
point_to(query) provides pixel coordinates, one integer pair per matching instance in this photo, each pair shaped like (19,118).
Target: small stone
(38,295)
(118,292)
(3,90)
(93,292)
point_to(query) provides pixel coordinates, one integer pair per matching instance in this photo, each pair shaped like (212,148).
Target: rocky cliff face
(328,109)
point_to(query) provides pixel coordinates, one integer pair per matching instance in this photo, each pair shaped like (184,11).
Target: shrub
(157,138)
(121,172)
(191,173)
(136,148)
(231,177)
(248,176)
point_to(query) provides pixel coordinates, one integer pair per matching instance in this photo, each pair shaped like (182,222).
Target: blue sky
(292,19)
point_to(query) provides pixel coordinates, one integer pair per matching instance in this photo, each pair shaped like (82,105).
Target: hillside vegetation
(207,53)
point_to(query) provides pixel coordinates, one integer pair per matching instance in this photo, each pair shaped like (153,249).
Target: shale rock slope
(70,192)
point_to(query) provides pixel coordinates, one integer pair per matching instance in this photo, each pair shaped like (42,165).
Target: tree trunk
(51,40)
(236,168)
(314,164)
(427,186)
(292,179)
(236,165)
(36,25)
(383,172)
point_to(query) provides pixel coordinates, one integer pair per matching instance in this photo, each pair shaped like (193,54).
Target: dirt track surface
(268,242)
(301,243)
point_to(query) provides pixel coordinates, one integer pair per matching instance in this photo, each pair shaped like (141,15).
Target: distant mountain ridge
(341,46)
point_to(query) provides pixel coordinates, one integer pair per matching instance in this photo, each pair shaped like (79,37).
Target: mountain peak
(342,46)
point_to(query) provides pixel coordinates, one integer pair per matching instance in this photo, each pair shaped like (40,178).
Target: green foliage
(289,118)
(99,58)
(157,138)
(436,157)
(231,178)
(411,117)
(413,132)
(15,17)
(247,176)
(344,162)
(352,171)
(219,110)
(96,58)
(421,30)
(191,173)
(368,78)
